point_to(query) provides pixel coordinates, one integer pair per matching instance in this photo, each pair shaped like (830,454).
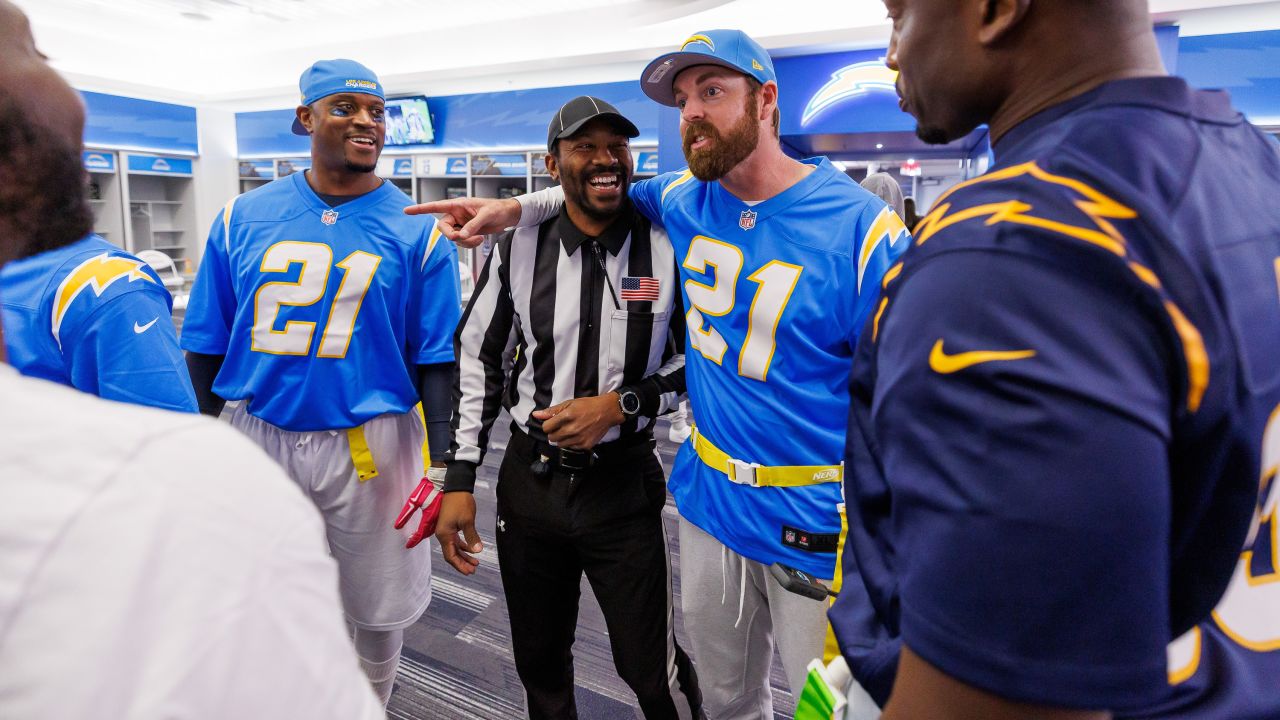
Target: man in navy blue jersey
(1068,396)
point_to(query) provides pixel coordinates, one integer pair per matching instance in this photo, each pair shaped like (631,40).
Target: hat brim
(628,128)
(298,129)
(658,77)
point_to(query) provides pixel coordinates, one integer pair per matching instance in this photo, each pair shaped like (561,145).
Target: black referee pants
(607,523)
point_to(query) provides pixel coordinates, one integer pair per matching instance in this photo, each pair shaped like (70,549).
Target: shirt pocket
(649,329)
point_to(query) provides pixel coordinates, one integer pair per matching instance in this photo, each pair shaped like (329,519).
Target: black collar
(613,237)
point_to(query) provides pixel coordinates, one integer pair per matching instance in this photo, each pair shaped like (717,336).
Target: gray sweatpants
(733,647)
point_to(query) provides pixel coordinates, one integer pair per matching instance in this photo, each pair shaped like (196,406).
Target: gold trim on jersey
(97,274)
(1101,210)
(685,177)
(886,227)
(226,223)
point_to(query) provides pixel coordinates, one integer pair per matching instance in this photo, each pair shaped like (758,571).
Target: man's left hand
(578,424)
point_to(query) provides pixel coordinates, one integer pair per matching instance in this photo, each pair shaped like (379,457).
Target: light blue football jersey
(776,294)
(321,312)
(91,316)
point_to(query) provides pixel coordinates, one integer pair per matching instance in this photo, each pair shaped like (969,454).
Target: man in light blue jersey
(329,314)
(79,310)
(89,315)
(781,266)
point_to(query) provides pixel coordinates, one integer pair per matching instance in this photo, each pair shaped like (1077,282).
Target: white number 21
(316,260)
(776,279)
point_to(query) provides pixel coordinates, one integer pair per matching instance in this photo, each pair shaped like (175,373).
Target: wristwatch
(629,401)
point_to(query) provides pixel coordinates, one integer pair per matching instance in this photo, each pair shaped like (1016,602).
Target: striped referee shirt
(557,315)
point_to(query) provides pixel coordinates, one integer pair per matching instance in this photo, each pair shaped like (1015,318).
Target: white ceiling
(246,54)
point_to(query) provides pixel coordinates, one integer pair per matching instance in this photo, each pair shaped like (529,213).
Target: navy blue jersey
(322,312)
(91,316)
(1065,427)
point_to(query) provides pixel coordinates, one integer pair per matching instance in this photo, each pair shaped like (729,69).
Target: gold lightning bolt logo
(1099,208)
(95,274)
(1101,211)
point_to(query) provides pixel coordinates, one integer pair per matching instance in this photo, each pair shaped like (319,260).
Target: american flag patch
(640,288)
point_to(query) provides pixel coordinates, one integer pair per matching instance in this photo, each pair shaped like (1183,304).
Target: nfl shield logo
(747,220)
(329,217)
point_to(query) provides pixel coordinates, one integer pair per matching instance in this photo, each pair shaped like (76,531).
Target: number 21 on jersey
(316,260)
(776,281)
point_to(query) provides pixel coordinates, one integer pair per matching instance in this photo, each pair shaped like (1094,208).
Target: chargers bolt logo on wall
(747,220)
(849,82)
(329,217)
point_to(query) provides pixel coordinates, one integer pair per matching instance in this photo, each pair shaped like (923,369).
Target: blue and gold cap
(733,49)
(330,77)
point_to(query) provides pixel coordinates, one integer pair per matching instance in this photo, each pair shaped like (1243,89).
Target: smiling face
(719,119)
(946,79)
(594,167)
(347,131)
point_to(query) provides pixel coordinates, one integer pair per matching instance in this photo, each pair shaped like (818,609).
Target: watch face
(630,403)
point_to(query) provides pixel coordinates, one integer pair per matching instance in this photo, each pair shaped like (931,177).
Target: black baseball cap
(581,110)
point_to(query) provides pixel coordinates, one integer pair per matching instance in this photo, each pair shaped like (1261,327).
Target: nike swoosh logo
(945,364)
(139,329)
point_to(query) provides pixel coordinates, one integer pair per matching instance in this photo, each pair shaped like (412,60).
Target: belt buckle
(742,473)
(575,460)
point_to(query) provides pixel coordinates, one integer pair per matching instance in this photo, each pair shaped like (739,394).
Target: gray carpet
(457,659)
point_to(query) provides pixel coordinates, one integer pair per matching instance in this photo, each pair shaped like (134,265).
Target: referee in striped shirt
(576,328)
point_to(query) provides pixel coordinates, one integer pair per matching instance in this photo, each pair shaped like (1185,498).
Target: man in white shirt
(152,564)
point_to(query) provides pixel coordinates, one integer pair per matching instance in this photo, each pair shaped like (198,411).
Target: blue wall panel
(1245,64)
(670,149)
(462,122)
(269,133)
(1167,43)
(826,94)
(520,117)
(128,123)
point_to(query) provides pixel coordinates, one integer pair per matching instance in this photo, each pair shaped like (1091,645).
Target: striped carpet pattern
(457,659)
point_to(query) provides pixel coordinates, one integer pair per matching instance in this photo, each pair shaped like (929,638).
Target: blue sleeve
(126,349)
(883,237)
(647,194)
(1030,488)
(211,309)
(436,302)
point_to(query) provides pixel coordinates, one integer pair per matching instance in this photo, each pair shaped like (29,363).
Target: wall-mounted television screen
(409,121)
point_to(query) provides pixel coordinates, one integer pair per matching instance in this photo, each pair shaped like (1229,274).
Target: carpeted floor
(457,660)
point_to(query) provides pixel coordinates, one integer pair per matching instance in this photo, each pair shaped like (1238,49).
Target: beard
(931,134)
(727,150)
(580,198)
(356,167)
(44,200)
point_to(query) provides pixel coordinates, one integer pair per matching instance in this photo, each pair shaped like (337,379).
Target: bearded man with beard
(330,315)
(781,263)
(587,301)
